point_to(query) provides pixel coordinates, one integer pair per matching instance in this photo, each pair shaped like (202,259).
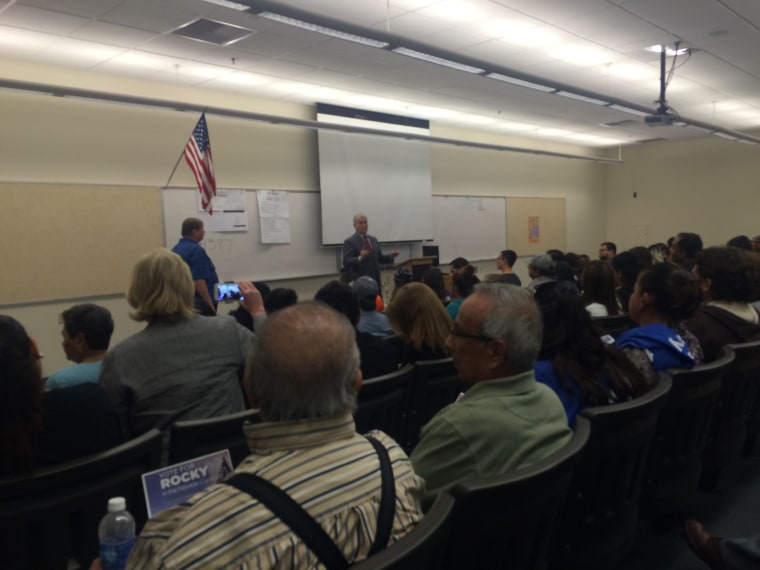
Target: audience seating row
(407,399)
(613,325)
(577,508)
(495,522)
(53,515)
(738,402)
(399,403)
(643,456)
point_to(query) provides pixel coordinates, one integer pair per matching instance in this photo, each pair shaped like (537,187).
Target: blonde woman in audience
(419,318)
(181,365)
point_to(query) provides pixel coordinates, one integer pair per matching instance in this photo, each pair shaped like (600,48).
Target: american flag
(198,158)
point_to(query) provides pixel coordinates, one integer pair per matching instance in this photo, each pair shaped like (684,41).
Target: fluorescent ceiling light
(523,33)
(513,126)
(726,136)
(657,48)
(582,55)
(630,72)
(577,97)
(630,110)
(323,30)
(229,4)
(552,132)
(746,141)
(437,60)
(521,82)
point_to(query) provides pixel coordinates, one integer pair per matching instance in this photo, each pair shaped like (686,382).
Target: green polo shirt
(499,426)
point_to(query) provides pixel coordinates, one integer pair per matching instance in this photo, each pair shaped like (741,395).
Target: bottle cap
(117,504)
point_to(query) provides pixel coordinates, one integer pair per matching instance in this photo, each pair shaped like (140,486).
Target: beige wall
(709,185)
(64,140)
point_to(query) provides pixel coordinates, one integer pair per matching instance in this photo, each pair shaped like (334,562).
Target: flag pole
(182,154)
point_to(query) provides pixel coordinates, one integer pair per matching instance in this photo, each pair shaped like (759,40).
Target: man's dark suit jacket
(370,265)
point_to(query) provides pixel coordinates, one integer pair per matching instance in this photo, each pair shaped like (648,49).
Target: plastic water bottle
(117,535)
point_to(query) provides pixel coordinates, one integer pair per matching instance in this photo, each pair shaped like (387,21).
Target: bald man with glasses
(506,420)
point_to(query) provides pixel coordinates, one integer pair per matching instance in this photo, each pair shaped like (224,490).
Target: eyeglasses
(456,332)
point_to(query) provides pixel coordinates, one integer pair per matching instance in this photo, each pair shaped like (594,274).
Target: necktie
(367,245)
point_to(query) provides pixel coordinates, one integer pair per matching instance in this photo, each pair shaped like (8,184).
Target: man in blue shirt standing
(201,267)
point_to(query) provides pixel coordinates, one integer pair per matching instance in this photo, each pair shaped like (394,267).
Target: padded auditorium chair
(421,548)
(599,519)
(508,521)
(380,403)
(52,516)
(194,438)
(612,325)
(728,429)
(436,384)
(674,466)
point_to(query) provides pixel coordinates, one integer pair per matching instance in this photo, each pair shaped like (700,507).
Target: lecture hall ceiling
(591,47)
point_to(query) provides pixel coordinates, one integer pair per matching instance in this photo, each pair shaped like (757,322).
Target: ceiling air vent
(213,32)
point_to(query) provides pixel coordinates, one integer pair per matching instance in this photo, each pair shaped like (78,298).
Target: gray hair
(515,319)
(303,363)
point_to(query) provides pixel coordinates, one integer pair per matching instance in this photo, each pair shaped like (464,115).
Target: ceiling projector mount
(665,115)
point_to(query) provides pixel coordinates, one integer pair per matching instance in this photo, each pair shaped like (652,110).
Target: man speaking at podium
(361,252)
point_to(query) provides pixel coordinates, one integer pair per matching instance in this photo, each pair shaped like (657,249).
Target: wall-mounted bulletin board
(535,225)
(67,241)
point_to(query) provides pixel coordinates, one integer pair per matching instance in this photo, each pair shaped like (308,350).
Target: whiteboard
(241,255)
(473,227)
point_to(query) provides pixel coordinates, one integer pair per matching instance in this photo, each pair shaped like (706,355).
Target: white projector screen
(385,178)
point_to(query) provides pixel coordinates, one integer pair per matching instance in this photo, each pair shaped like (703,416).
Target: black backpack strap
(387,509)
(308,530)
(294,516)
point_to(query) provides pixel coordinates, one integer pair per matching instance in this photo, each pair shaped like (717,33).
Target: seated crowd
(531,359)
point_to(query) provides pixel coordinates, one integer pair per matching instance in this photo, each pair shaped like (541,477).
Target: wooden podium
(417,265)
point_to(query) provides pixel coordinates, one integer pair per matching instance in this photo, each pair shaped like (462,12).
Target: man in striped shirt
(303,374)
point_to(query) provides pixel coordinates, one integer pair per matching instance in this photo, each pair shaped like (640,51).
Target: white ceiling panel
(39,20)
(588,45)
(151,16)
(101,32)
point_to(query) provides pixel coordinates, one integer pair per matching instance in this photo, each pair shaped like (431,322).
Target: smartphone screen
(228,292)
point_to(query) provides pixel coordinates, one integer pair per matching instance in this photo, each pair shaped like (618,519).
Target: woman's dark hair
(742,242)
(577,262)
(433,278)
(629,267)
(643,256)
(279,299)
(564,271)
(556,254)
(598,285)
(20,397)
(675,295)
(733,273)
(459,262)
(464,284)
(603,373)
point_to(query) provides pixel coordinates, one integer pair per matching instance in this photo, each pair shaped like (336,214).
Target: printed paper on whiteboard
(230,211)
(274,216)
